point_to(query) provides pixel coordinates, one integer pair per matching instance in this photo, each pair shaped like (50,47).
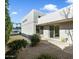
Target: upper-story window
(25,20)
(39,16)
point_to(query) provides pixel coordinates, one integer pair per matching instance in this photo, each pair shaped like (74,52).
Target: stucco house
(57,25)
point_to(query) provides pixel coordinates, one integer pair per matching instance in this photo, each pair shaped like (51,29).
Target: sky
(19,8)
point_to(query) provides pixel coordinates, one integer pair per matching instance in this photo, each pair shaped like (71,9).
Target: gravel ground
(43,47)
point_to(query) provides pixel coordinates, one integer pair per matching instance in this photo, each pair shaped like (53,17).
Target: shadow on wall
(27,36)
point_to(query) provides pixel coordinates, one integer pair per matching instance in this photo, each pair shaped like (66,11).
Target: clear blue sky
(19,8)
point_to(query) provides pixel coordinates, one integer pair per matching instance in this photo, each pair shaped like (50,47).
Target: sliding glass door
(54,31)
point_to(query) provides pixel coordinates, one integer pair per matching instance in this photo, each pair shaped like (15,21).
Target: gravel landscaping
(44,47)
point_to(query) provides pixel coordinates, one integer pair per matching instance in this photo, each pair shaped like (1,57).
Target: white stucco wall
(29,26)
(66,29)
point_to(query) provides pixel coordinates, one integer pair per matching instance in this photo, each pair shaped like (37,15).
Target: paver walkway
(64,46)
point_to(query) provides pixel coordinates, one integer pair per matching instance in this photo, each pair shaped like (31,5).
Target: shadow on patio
(68,49)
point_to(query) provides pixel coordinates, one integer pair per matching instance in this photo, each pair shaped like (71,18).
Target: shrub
(10,54)
(35,39)
(17,44)
(46,56)
(9,57)
(8,24)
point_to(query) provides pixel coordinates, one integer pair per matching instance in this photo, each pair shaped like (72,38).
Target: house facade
(53,26)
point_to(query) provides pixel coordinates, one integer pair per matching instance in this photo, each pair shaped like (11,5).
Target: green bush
(46,56)
(17,44)
(10,57)
(9,54)
(35,39)
(8,24)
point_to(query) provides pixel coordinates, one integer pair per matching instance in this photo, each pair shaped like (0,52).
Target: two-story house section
(29,22)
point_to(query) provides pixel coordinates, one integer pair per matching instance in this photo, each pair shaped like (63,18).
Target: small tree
(17,44)
(35,39)
(8,24)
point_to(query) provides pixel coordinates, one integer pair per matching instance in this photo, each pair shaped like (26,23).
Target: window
(51,31)
(54,31)
(41,29)
(39,16)
(37,29)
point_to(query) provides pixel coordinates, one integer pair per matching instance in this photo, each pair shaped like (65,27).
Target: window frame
(41,29)
(53,34)
(57,34)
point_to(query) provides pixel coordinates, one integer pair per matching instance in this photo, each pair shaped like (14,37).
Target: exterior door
(51,31)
